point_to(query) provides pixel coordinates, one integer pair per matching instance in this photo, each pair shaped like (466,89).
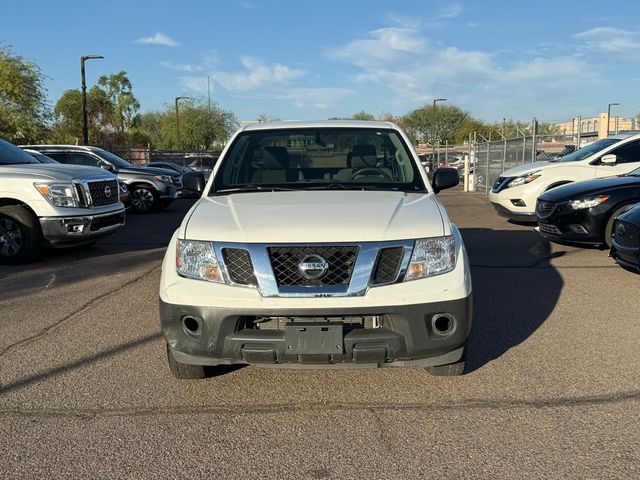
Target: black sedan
(626,239)
(584,212)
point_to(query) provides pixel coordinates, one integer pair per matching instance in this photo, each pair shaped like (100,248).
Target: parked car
(52,205)
(204,163)
(40,157)
(150,189)
(515,192)
(183,171)
(625,247)
(584,212)
(337,263)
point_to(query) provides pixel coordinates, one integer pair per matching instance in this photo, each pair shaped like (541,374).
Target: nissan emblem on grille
(107,191)
(313,267)
(620,231)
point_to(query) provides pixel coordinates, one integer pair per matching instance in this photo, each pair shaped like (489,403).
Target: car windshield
(634,173)
(12,155)
(112,159)
(589,150)
(318,158)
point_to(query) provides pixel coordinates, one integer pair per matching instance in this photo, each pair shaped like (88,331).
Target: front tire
(183,371)
(608,229)
(20,235)
(143,199)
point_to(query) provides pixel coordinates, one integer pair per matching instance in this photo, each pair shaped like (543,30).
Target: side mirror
(609,159)
(107,166)
(193,181)
(444,178)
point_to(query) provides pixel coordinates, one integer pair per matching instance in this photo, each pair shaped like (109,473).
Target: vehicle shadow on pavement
(141,241)
(515,290)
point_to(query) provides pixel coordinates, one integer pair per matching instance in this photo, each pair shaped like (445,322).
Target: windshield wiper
(350,186)
(253,188)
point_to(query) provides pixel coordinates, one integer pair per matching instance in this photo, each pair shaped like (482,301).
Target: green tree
(67,127)
(435,124)
(361,115)
(23,108)
(200,127)
(119,91)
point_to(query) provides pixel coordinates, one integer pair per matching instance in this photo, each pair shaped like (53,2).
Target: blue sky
(299,59)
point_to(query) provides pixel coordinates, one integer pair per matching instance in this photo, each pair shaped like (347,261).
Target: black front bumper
(564,225)
(515,216)
(628,259)
(405,338)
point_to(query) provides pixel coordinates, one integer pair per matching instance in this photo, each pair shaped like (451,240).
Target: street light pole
(433,146)
(609,117)
(85,126)
(178,121)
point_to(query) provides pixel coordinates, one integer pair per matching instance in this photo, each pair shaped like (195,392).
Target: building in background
(596,127)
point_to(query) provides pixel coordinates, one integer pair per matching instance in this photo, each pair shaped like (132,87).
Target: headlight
(432,256)
(195,259)
(588,202)
(523,180)
(58,194)
(163,178)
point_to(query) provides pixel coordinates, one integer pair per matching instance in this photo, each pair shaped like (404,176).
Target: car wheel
(184,371)
(452,370)
(20,235)
(608,230)
(143,199)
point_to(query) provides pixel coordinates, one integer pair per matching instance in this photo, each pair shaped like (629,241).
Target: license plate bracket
(314,339)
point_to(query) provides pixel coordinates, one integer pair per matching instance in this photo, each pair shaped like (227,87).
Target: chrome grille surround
(360,280)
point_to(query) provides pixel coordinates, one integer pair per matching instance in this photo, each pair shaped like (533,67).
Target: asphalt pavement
(552,388)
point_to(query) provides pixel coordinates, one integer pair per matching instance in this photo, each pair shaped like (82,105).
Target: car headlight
(163,178)
(196,259)
(432,256)
(58,194)
(523,180)
(588,202)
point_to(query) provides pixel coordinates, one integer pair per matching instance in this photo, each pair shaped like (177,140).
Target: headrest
(363,156)
(275,158)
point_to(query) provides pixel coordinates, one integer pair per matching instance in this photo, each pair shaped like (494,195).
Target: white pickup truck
(317,245)
(52,205)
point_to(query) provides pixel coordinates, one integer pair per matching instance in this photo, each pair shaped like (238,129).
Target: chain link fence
(490,159)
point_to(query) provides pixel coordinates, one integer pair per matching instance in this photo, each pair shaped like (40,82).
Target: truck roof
(319,124)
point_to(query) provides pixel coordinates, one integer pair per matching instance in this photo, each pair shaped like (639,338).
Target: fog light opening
(443,324)
(191,325)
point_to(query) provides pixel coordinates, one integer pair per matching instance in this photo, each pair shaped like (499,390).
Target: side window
(58,156)
(628,153)
(83,159)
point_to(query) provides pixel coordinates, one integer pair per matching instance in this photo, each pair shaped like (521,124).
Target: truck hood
(528,168)
(312,217)
(54,171)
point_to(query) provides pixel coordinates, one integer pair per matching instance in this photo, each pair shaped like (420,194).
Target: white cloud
(610,39)
(450,11)
(196,85)
(159,39)
(180,67)
(416,69)
(258,75)
(321,98)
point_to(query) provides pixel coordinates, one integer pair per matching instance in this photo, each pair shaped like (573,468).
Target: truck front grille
(285,260)
(349,322)
(626,235)
(239,266)
(103,192)
(387,265)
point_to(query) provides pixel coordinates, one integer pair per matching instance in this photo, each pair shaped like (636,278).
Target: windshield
(113,159)
(12,155)
(318,158)
(634,173)
(589,150)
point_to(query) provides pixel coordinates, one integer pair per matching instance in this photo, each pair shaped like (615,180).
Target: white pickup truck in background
(52,205)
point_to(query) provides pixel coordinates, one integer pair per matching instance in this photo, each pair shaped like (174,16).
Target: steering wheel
(371,171)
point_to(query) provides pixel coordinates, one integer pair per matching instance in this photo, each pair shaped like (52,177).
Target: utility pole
(433,146)
(85,120)
(178,122)
(209,93)
(609,117)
